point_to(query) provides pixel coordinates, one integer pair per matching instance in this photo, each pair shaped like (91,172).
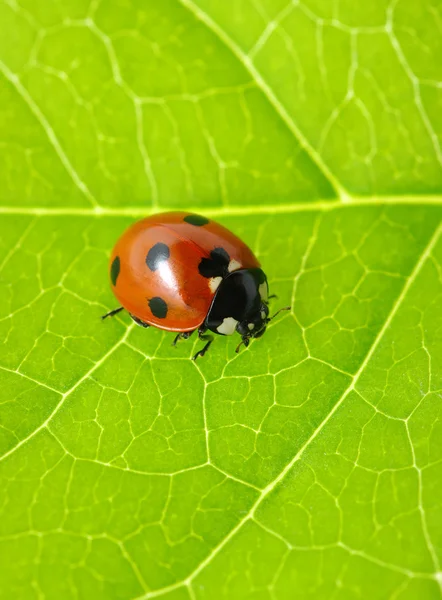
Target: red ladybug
(182,272)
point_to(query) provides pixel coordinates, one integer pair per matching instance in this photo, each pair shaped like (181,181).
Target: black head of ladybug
(240,304)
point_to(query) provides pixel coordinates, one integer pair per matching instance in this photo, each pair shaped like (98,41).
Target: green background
(310,465)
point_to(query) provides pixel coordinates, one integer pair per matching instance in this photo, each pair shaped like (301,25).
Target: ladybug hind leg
(206,338)
(112,313)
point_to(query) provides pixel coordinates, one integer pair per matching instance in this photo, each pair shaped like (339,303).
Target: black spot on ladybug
(115,270)
(158,307)
(156,255)
(215,266)
(197,220)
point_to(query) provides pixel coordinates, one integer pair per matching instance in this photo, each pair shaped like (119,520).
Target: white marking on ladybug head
(228,326)
(264,291)
(251,326)
(234,265)
(214,283)
(263,315)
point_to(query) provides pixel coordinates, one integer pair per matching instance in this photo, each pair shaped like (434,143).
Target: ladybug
(183,272)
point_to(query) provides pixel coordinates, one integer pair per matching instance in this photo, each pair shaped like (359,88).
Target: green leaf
(306,466)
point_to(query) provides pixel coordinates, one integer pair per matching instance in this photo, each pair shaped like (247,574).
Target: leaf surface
(308,466)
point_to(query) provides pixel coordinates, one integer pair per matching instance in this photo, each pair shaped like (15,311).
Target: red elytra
(175,280)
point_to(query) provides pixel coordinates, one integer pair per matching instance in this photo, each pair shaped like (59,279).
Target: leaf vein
(269,94)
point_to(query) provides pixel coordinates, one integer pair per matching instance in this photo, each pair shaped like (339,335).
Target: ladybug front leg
(206,338)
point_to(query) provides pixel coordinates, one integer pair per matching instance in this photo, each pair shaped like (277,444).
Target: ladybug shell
(165,269)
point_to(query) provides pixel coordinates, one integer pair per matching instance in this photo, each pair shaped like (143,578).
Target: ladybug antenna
(277,313)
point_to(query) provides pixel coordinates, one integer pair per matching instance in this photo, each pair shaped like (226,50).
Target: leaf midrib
(254,209)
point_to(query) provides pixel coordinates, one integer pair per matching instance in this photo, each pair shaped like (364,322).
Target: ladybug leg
(183,335)
(272,296)
(139,322)
(208,339)
(244,340)
(112,312)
